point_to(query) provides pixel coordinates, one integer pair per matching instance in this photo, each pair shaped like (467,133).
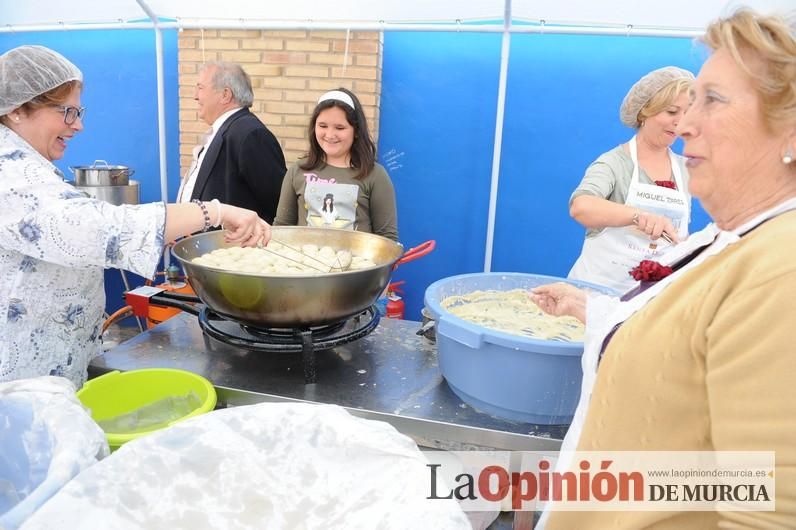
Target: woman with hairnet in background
(703,358)
(635,196)
(54,240)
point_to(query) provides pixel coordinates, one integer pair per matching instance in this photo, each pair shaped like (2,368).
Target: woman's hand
(655,225)
(243,226)
(560,299)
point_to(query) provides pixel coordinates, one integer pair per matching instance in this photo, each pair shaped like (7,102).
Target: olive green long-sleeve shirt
(373,199)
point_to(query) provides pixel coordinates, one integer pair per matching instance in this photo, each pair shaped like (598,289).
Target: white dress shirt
(189,181)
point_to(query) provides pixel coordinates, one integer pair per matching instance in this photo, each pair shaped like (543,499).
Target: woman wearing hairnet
(703,359)
(635,196)
(54,240)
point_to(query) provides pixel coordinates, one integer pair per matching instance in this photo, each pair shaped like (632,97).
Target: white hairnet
(30,71)
(646,87)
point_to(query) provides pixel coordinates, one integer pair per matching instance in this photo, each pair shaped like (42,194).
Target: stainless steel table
(390,375)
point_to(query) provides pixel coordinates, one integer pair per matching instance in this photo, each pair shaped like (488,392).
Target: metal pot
(295,301)
(101,174)
(117,195)
(428,327)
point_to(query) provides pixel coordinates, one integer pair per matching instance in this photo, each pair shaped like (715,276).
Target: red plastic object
(395,306)
(139,297)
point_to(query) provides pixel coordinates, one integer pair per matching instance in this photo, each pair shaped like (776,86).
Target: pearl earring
(788,158)
(16,118)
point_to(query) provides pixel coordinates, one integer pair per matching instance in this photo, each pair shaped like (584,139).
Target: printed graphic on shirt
(329,204)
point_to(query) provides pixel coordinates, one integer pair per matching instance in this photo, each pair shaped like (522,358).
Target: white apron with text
(608,257)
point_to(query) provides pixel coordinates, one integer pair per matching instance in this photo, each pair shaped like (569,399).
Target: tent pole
(164,178)
(164,182)
(501,105)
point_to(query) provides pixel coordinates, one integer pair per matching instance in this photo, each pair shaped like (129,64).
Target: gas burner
(287,335)
(306,340)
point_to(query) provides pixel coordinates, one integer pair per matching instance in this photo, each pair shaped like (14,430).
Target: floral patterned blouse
(54,244)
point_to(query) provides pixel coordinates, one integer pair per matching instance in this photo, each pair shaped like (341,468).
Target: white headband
(337,95)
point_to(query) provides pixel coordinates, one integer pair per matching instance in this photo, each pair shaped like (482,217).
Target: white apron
(608,257)
(603,313)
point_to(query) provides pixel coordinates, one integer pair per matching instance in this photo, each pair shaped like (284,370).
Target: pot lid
(100,164)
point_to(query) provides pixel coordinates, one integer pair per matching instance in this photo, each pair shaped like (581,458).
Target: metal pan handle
(416,252)
(96,165)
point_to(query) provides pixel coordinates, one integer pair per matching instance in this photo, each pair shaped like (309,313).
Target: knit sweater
(708,365)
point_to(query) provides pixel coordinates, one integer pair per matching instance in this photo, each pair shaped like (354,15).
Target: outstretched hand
(655,226)
(560,299)
(244,227)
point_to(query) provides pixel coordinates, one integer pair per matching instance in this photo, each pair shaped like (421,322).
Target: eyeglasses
(71,113)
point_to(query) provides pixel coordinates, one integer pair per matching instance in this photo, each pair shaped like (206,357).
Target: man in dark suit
(241,162)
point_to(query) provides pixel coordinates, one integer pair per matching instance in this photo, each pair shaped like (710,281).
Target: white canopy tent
(675,18)
(583,15)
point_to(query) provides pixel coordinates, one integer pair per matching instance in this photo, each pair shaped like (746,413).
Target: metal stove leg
(308,357)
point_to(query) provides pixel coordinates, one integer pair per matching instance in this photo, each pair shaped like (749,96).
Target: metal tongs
(325,267)
(664,235)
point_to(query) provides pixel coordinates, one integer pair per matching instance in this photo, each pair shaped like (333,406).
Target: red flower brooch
(666,184)
(650,271)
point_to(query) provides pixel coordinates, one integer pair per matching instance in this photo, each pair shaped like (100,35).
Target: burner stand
(306,340)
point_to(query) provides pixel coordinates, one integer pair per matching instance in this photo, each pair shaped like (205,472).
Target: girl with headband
(340,161)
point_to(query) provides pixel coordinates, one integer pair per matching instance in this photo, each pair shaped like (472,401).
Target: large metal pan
(295,301)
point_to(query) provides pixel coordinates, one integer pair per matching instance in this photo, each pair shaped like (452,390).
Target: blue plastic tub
(509,376)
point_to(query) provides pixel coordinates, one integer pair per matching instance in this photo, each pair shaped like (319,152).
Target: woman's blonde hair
(663,98)
(770,42)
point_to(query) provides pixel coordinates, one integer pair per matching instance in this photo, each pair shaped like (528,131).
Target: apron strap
(677,176)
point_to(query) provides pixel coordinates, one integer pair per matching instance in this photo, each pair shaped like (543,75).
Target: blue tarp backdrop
(437,125)
(562,111)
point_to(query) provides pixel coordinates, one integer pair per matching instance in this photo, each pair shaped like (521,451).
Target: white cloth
(268,466)
(47,437)
(608,257)
(55,242)
(604,313)
(189,182)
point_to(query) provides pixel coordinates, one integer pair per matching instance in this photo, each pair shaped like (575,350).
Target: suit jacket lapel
(212,155)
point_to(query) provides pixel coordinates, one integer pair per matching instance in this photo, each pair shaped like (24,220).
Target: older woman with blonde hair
(703,359)
(634,200)
(54,240)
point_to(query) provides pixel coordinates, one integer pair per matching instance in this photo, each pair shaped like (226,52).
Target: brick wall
(289,70)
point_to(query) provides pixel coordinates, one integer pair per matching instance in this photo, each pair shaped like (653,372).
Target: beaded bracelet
(218,212)
(205,213)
